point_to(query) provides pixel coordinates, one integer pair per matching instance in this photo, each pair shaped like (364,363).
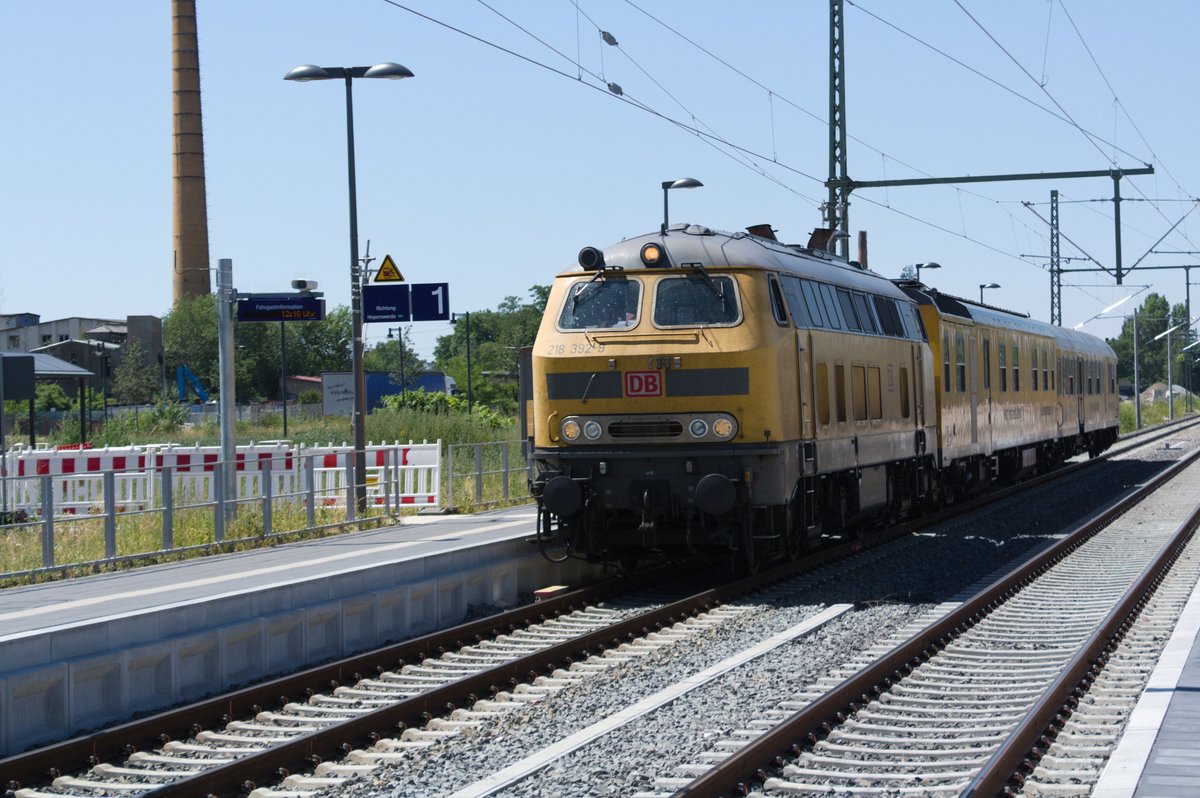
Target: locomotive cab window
(801,315)
(695,300)
(604,303)
(848,311)
(777,305)
(864,313)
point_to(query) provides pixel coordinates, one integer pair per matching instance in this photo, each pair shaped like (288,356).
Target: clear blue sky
(489,172)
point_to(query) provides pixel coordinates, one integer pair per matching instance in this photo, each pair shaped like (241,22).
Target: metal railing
(486,474)
(172,503)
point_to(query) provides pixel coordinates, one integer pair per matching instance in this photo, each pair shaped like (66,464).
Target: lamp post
(930,265)
(283,374)
(403,381)
(1170,375)
(683,182)
(303,74)
(454,317)
(983,286)
(102,354)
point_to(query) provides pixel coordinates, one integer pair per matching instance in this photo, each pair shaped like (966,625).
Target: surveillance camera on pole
(307,286)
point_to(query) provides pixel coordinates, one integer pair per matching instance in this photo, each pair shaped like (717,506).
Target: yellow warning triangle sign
(388,273)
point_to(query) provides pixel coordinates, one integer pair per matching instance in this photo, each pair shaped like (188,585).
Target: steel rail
(749,764)
(81,752)
(279,761)
(1018,754)
(78,754)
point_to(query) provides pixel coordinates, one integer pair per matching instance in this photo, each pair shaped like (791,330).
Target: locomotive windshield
(606,303)
(694,300)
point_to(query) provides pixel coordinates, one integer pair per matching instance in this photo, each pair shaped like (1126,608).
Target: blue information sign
(431,302)
(385,302)
(282,307)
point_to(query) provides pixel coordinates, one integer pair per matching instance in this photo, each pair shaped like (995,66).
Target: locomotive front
(656,424)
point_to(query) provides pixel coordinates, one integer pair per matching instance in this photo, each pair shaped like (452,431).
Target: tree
(190,338)
(135,381)
(496,338)
(1152,318)
(386,356)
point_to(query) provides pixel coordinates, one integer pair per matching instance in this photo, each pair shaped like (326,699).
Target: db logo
(643,383)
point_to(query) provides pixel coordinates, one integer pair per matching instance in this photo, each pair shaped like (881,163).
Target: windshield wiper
(708,281)
(578,294)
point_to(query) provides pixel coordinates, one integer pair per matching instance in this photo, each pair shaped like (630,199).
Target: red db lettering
(643,383)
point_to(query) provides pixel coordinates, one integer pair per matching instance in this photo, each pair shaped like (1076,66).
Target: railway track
(382,707)
(1024,672)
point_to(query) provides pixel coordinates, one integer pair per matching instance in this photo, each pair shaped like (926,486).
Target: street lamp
(983,286)
(1170,377)
(454,317)
(303,74)
(403,382)
(683,182)
(930,265)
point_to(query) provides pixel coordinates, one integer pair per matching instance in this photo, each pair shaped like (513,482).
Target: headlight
(570,430)
(724,428)
(592,430)
(698,427)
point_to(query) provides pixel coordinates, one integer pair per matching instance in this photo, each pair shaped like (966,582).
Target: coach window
(1112,379)
(822,394)
(839,391)
(960,362)
(1016,367)
(987,364)
(1001,349)
(874,393)
(777,306)
(904,405)
(1045,371)
(858,392)
(1033,366)
(946,362)
(848,312)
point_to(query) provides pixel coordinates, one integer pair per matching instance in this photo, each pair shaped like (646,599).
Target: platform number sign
(430,301)
(643,383)
(403,302)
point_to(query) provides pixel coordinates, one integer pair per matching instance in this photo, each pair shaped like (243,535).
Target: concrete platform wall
(56,683)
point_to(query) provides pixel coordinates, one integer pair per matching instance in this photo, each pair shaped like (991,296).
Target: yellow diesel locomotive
(692,389)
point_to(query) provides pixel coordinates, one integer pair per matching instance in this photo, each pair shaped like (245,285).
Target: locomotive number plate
(643,383)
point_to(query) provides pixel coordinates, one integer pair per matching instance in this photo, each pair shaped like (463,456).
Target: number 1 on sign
(437,292)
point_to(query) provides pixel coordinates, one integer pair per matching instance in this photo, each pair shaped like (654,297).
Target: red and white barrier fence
(401,474)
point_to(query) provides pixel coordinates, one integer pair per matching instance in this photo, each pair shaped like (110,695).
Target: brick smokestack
(191,211)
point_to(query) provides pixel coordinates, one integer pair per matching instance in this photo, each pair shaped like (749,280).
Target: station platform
(1158,755)
(81,653)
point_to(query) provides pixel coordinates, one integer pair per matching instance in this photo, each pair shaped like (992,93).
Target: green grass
(80,539)
(1155,412)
